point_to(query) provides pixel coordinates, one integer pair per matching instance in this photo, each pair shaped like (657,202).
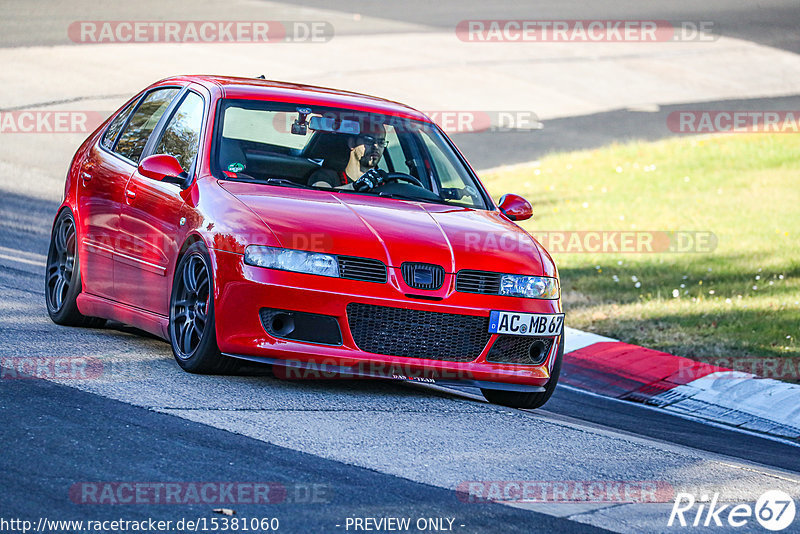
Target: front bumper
(241,291)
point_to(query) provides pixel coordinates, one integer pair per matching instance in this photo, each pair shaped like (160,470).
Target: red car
(318,230)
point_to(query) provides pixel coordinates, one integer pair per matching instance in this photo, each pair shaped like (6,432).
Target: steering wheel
(403,177)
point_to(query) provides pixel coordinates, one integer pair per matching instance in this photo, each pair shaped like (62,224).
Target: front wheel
(192,331)
(518,399)
(63,276)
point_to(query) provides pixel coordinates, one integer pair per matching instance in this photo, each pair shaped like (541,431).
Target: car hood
(391,230)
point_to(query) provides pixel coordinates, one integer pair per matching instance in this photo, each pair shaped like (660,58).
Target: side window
(416,161)
(133,139)
(446,166)
(440,163)
(394,152)
(113,129)
(182,134)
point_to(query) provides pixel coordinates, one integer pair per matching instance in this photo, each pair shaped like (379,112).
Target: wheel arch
(65,206)
(191,239)
(216,363)
(59,211)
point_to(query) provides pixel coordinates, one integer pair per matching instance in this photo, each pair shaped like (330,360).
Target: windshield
(291,145)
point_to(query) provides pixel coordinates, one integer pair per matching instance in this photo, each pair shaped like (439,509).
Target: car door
(102,178)
(125,153)
(150,221)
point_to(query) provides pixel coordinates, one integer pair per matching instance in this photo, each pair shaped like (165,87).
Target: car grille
(517,349)
(363,269)
(417,334)
(478,282)
(423,275)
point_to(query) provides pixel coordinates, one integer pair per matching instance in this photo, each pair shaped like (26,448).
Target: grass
(740,301)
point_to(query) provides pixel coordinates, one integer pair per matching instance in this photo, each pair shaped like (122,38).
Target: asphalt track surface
(148,421)
(85,435)
(769,22)
(374,448)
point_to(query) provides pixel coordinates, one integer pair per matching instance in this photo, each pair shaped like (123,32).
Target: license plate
(526,324)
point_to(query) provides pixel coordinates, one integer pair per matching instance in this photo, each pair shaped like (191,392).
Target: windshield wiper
(283,182)
(400,196)
(286,183)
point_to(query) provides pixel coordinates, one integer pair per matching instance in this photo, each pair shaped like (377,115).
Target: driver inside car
(361,172)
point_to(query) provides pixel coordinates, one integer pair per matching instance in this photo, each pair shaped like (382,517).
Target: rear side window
(116,125)
(182,134)
(133,139)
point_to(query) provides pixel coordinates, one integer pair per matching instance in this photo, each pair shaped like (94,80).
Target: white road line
(22,256)
(36,263)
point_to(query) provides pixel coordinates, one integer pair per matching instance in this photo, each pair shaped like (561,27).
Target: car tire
(62,281)
(517,399)
(192,329)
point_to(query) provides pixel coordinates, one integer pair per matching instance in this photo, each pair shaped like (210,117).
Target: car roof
(261,89)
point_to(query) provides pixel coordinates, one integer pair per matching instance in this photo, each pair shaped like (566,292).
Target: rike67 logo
(774,510)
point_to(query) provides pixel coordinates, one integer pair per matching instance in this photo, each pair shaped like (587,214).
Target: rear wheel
(63,276)
(517,399)
(192,331)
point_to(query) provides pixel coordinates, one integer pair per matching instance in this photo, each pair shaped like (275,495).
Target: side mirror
(164,168)
(515,207)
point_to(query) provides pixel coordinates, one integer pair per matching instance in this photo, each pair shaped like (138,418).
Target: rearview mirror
(515,207)
(164,168)
(329,124)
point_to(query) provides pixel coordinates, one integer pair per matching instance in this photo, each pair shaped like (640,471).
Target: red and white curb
(609,367)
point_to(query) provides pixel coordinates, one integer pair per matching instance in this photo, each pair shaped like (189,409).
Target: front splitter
(313,370)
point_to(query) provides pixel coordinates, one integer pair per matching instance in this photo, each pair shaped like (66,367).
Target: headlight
(532,287)
(292,260)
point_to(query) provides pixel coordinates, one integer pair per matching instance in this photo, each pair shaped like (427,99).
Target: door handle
(130,194)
